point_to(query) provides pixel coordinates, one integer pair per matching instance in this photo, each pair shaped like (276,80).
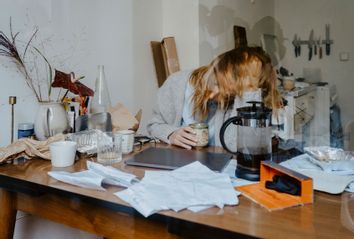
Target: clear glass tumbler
(109,148)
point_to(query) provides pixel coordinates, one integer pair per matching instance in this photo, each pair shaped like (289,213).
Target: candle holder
(12,102)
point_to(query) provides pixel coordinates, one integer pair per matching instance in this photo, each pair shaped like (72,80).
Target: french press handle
(236,120)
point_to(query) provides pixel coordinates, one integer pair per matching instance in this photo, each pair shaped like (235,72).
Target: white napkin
(95,176)
(343,167)
(193,186)
(331,178)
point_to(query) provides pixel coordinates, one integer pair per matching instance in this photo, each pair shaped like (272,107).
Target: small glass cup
(109,148)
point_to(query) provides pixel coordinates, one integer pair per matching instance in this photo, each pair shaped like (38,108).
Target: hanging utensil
(319,48)
(294,42)
(315,47)
(310,44)
(327,41)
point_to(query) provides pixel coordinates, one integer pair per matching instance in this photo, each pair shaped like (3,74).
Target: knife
(294,42)
(298,46)
(319,48)
(310,44)
(327,41)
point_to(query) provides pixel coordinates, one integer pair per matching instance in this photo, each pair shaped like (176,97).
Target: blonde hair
(229,72)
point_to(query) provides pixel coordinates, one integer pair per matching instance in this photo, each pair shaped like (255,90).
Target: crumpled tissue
(95,177)
(331,177)
(193,186)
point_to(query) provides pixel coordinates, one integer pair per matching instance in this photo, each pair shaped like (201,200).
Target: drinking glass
(109,148)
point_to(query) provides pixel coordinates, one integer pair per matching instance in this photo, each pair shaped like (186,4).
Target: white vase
(51,119)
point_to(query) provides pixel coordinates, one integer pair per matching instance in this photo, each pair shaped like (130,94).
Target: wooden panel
(159,62)
(170,56)
(240,36)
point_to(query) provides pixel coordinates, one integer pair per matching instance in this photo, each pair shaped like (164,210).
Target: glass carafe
(101,100)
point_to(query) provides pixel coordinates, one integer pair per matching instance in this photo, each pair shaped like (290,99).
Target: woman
(211,94)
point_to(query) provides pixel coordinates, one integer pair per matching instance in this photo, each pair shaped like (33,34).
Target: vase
(51,119)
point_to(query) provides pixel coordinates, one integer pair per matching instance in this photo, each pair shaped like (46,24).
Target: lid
(199,126)
(254,111)
(25,126)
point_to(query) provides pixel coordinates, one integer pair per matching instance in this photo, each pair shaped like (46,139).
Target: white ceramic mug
(62,153)
(127,140)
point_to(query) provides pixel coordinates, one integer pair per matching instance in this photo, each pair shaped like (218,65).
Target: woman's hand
(184,137)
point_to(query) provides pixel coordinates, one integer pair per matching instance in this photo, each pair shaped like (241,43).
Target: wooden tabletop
(330,216)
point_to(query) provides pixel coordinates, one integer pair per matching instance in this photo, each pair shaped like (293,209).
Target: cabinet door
(304,110)
(319,134)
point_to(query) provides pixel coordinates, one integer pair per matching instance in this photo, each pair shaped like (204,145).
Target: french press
(254,144)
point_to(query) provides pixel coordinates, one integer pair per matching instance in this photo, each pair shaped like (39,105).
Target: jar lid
(25,126)
(199,126)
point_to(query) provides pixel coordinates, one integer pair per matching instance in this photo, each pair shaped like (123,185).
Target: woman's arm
(167,112)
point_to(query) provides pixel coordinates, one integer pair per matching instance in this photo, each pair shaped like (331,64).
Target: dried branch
(28,43)
(8,48)
(50,69)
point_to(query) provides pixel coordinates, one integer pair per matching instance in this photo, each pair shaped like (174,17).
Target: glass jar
(202,133)
(25,130)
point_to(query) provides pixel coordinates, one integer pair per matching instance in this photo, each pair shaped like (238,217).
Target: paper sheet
(95,177)
(193,186)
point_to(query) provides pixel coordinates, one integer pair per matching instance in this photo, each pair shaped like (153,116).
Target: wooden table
(28,188)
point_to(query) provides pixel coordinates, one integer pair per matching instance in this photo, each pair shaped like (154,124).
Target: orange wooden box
(271,199)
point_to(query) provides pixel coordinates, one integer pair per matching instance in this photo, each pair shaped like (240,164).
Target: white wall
(180,19)
(78,36)
(170,18)
(147,26)
(217,18)
(300,17)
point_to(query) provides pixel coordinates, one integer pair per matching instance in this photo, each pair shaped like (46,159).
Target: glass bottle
(101,101)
